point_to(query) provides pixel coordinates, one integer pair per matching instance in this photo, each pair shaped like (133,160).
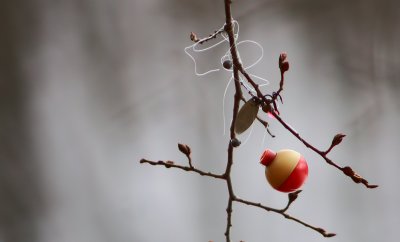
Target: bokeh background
(89,87)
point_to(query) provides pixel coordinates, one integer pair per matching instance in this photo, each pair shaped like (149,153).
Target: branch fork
(185,149)
(269,105)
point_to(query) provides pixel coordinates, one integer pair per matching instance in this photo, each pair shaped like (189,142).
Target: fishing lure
(246,115)
(286,170)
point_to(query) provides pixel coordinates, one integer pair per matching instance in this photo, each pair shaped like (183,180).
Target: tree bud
(184,149)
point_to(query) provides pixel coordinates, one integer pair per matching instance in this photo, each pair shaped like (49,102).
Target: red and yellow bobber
(286,170)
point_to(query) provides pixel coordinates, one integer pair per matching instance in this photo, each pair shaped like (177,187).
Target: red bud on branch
(282,57)
(283,63)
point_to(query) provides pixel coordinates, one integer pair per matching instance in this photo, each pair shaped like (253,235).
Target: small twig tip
(185,149)
(329,235)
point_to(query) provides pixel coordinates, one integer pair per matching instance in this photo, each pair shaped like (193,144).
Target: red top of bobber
(267,157)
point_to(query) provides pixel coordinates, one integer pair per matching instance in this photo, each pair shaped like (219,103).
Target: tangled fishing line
(226,63)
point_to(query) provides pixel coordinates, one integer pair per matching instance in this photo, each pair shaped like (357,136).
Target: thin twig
(348,171)
(287,216)
(171,164)
(268,101)
(232,198)
(214,35)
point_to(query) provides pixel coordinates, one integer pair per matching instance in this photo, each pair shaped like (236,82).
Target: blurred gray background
(89,87)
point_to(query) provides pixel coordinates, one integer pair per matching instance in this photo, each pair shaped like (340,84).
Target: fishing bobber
(286,170)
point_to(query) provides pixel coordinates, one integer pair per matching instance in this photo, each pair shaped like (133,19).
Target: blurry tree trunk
(20,190)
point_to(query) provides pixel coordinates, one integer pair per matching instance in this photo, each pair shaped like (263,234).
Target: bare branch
(348,171)
(194,38)
(269,104)
(284,214)
(171,164)
(237,97)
